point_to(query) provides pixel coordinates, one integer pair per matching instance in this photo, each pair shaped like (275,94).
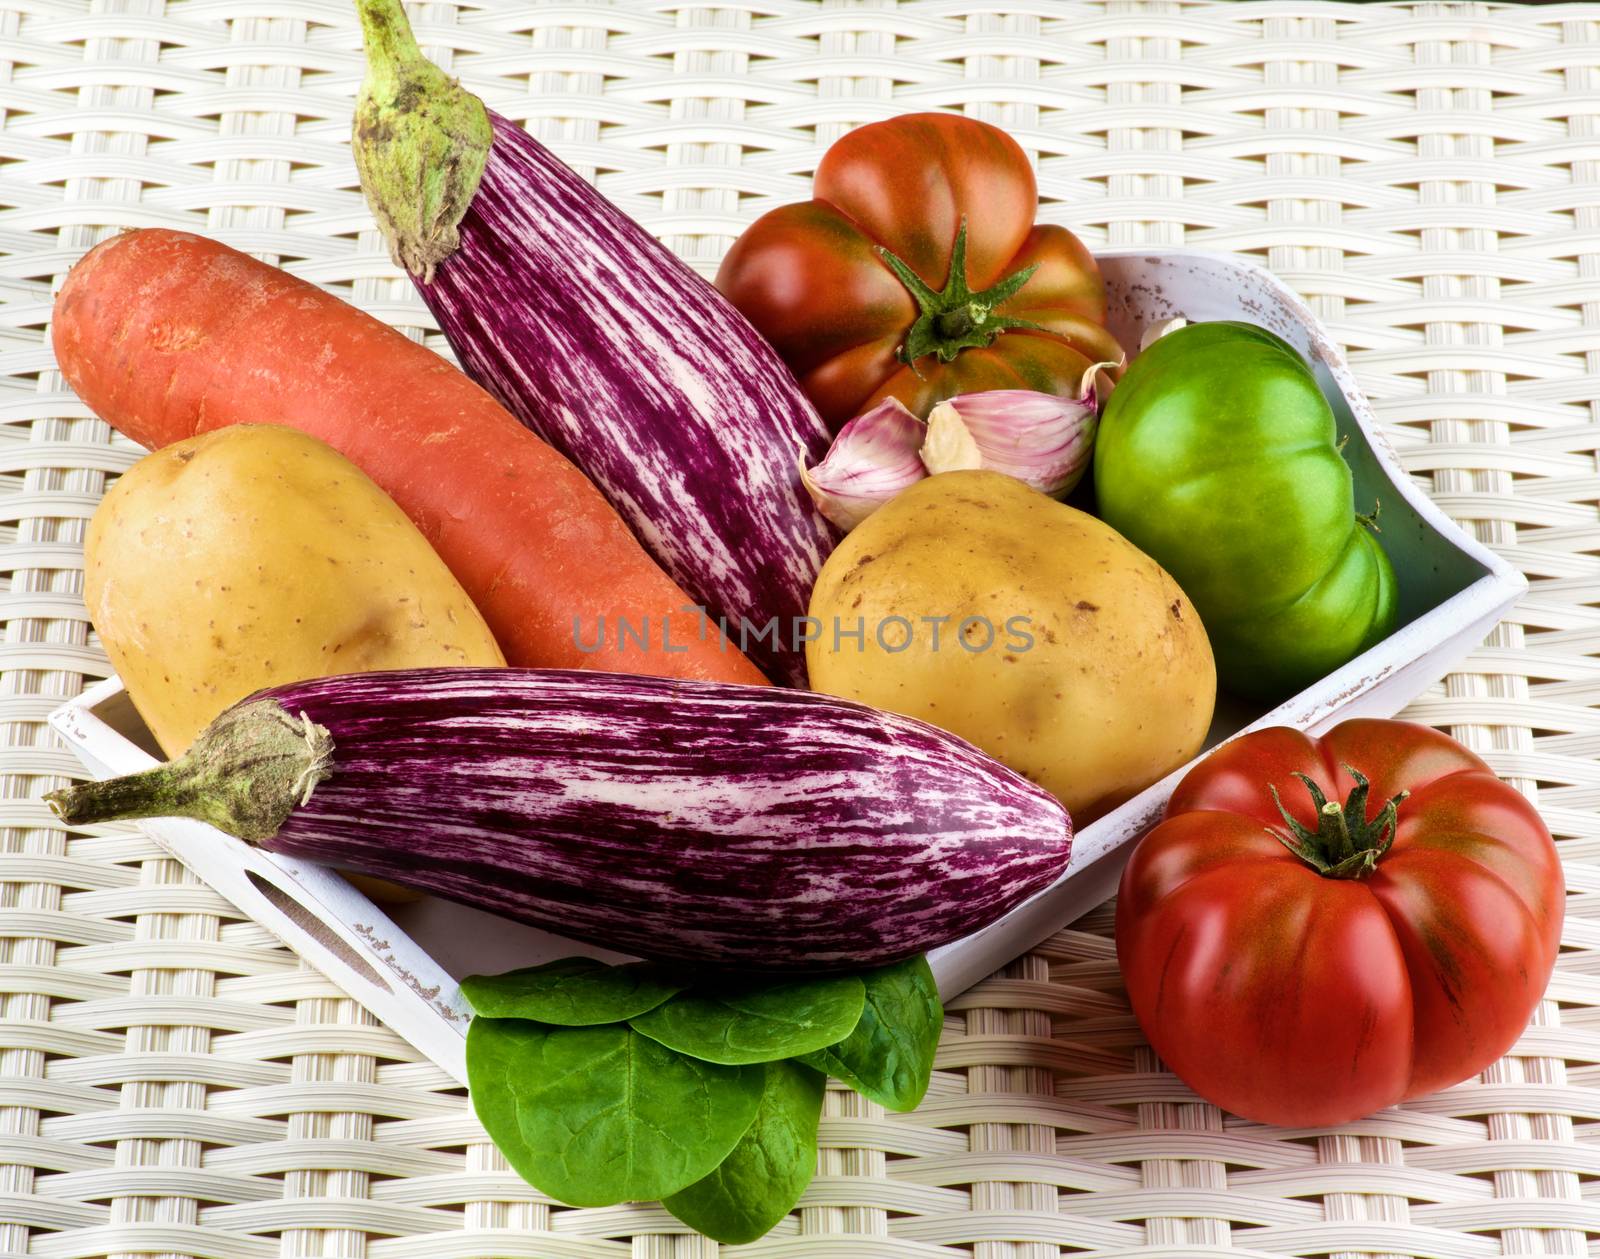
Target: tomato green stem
(956,318)
(1346,844)
(1337,829)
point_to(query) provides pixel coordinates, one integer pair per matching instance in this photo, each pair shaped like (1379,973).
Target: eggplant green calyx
(420,142)
(1345,845)
(248,770)
(956,319)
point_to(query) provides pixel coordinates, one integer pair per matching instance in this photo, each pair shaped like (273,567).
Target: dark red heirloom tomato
(1311,963)
(916,271)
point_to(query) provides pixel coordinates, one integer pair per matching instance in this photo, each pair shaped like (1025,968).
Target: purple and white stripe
(742,827)
(605,344)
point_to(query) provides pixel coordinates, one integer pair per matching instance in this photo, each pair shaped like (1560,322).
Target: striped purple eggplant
(601,341)
(745,827)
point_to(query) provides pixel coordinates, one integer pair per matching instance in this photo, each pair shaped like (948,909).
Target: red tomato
(916,271)
(1293,993)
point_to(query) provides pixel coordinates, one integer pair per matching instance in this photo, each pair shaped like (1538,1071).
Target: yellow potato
(256,555)
(1067,653)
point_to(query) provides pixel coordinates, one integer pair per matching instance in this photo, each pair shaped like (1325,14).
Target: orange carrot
(165,334)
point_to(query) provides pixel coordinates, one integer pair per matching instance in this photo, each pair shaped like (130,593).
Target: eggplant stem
(387,35)
(245,774)
(420,142)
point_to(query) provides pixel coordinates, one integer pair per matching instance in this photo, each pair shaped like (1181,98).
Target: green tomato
(1219,458)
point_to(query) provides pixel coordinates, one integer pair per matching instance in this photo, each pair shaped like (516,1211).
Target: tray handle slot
(315,928)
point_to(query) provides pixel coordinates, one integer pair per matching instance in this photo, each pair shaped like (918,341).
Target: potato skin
(255,555)
(1118,685)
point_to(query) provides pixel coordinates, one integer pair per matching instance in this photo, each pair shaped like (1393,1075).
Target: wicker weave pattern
(173,1082)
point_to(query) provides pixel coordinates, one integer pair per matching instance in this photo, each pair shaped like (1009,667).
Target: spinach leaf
(756,1022)
(757,1185)
(572,992)
(599,1115)
(889,1055)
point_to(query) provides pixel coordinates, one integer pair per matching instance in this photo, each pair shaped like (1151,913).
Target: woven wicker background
(174,1082)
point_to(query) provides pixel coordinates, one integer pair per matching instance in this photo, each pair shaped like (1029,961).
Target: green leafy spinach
(756,1022)
(572,992)
(706,1097)
(759,1183)
(889,1054)
(599,1115)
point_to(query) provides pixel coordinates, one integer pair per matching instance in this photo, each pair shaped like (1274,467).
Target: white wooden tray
(404,963)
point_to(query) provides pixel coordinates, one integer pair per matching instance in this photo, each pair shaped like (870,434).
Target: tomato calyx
(1345,845)
(956,318)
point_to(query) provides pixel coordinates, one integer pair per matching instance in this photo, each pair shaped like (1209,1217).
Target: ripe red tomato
(1313,965)
(917,272)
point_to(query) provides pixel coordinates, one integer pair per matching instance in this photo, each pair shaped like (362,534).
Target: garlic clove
(949,445)
(1039,438)
(871,460)
(1098,382)
(1156,331)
